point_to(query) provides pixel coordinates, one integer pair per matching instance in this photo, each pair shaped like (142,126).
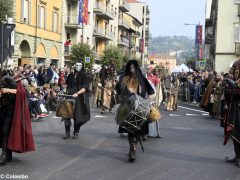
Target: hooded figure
(232,121)
(78,86)
(132,82)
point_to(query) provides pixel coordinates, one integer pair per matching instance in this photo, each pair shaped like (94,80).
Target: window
(26,11)
(55,22)
(88,40)
(41,16)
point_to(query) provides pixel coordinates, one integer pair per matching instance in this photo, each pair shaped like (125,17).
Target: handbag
(65,109)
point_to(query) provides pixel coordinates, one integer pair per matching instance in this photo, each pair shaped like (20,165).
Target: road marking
(55,117)
(192,109)
(191,115)
(205,114)
(99,116)
(182,128)
(174,115)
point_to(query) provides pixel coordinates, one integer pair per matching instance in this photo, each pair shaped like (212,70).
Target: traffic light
(5,40)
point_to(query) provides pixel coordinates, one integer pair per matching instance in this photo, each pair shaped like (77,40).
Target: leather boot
(3,158)
(67,132)
(75,136)
(9,155)
(132,152)
(231,160)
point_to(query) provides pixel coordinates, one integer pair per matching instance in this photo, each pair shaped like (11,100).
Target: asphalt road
(191,149)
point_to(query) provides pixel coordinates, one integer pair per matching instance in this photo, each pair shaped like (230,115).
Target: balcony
(72,22)
(137,34)
(135,48)
(237,48)
(103,11)
(123,24)
(123,41)
(131,44)
(124,7)
(103,33)
(67,50)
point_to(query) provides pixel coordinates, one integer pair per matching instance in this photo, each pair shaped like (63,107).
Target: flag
(85,16)
(80,12)
(83,12)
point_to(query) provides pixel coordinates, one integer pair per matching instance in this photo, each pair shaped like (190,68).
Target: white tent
(182,68)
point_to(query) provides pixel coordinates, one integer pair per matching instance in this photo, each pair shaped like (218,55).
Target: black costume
(232,120)
(7,104)
(75,82)
(144,88)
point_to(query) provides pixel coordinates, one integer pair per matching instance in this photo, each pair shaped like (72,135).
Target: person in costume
(132,82)
(154,130)
(78,86)
(232,120)
(15,124)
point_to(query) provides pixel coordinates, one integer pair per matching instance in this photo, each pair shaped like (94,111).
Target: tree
(6,8)
(79,52)
(113,55)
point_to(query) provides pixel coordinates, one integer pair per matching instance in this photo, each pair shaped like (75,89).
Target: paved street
(191,149)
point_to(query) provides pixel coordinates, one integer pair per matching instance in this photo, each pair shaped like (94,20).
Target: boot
(3,158)
(75,136)
(132,152)
(67,134)
(231,160)
(9,155)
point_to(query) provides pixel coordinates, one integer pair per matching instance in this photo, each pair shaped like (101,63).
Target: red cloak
(21,138)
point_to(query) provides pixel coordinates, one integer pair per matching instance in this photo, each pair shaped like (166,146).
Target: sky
(167,17)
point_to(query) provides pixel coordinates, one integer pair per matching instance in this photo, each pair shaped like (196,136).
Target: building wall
(225,42)
(33,35)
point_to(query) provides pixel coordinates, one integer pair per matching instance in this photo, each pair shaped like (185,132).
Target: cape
(21,138)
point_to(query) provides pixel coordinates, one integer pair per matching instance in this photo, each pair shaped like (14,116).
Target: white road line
(98,116)
(174,115)
(192,109)
(205,114)
(191,115)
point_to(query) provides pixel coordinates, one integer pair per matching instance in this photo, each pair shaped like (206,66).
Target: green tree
(6,8)
(79,52)
(113,55)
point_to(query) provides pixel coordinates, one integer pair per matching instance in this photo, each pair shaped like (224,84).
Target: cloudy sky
(167,17)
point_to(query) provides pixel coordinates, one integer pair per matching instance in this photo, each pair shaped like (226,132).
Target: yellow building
(104,30)
(38,30)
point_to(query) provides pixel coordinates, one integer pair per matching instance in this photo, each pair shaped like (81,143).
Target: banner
(198,41)
(141,46)
(83,12)
(85,15)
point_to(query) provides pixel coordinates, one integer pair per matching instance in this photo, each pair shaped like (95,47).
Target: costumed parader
(232,120)
(133,83)
(15,124)
(154,128)
(78,86)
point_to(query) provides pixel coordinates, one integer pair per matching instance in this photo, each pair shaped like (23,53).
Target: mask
(133,69)
(78,67)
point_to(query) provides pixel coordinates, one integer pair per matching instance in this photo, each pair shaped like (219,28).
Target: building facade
(222,34)
(38,38)
(46,30)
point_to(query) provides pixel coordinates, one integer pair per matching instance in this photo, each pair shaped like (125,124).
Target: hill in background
(182,45)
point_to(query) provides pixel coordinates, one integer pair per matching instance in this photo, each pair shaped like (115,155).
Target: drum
(132,114)
(65,109)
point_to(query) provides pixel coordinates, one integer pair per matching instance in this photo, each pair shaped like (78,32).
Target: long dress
(153,127)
